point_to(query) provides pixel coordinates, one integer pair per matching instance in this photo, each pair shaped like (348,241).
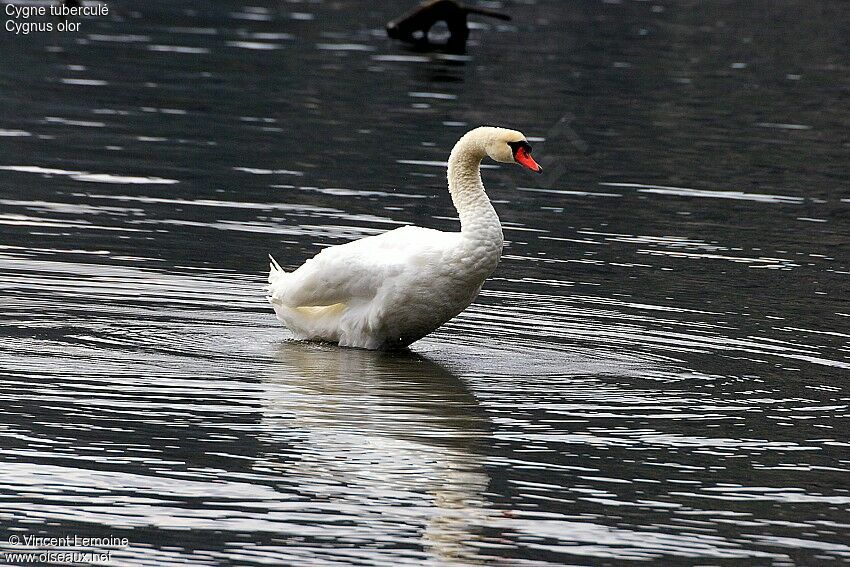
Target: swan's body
(389,290)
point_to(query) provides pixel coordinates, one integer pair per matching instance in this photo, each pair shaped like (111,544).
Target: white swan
(389,290)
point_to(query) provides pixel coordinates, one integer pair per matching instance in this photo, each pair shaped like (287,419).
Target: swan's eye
(517,146)
(522,155)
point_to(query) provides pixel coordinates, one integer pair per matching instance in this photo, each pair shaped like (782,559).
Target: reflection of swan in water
(385,446)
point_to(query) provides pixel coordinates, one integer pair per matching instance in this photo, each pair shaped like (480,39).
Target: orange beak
(523,157)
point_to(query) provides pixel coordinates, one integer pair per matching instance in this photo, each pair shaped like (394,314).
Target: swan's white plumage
(389,290)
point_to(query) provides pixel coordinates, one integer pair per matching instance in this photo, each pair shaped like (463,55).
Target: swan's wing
(356,270)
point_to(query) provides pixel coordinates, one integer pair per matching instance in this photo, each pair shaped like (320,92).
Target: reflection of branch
(563,127)
(555,168)
(414,27)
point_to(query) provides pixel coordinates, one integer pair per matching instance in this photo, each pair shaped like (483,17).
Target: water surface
(656,372)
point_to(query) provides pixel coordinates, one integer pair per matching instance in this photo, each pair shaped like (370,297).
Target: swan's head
(509,146)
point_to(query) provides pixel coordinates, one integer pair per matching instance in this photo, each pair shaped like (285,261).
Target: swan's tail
(275,271)
(315,322)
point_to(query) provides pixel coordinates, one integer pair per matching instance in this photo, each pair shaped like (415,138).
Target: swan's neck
(478,219)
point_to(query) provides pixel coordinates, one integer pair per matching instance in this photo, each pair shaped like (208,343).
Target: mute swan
(389,290)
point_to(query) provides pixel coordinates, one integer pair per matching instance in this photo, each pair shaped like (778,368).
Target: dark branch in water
(423,18)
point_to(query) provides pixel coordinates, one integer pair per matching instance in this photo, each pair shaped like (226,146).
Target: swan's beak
(523,157)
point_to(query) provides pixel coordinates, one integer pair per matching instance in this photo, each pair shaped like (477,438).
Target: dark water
(658,370)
